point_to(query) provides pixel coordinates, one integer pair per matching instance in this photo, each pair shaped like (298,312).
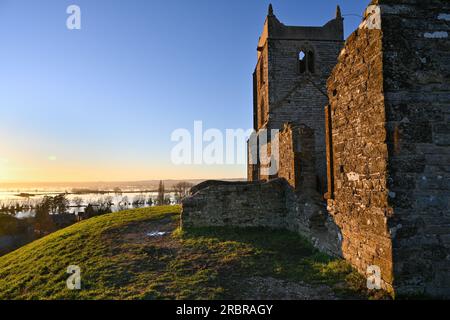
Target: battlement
(333,30)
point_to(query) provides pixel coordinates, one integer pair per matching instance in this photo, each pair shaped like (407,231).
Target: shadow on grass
(277,254)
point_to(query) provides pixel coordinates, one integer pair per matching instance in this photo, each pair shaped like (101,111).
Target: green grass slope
(118,260)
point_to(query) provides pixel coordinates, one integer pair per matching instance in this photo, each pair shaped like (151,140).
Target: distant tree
(92,210)
(123,204)
(43,222)
(89,211)
(150,201)
(161,193)
(78,201)
(118,191)
(108,201)
(181,190)
(105,205)
(125,201)
(139,201)
(59,204)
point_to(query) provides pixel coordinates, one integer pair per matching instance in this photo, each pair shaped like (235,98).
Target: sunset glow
(3,170)
(101,103)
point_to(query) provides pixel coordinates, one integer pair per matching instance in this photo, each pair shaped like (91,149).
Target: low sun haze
(101,103)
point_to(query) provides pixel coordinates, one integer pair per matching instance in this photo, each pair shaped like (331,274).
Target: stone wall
(237,204)
(297,157)
(261,88)
(389,145)
(417,103)
(359,204)
(273,204)
(288,157)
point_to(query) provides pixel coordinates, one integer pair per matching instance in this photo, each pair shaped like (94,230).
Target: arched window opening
(301,56)
(302,62)
(311,62)
(306,61)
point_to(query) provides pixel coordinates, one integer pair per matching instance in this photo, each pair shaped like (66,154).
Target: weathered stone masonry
(271,204)
(275,204)
(390,145)
(244,204)
(297,160)
(417,100)
(289,95)
(387,133)
(287,89)
(359,153)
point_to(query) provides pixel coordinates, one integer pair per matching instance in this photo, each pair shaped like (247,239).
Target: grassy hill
(119,260)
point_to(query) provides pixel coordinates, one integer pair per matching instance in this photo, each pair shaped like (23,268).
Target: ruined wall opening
(306,62)
(301,62)
(311,62)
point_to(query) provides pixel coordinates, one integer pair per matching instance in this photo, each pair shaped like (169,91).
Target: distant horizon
(102,103)
(115,181)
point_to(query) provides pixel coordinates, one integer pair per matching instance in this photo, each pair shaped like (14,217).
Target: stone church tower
(289,82)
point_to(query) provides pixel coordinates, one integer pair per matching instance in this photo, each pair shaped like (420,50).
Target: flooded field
(78,201)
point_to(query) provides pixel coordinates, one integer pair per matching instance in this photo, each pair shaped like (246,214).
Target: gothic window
(311,62)
(306,61)
(302,62)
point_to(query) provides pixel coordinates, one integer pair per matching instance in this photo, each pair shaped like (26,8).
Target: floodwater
(123,201)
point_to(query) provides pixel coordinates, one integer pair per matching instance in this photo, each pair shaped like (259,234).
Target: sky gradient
(100,103)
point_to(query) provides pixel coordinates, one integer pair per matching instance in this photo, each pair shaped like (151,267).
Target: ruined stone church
(363,144)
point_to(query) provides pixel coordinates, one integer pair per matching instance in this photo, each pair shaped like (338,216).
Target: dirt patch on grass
(139,232)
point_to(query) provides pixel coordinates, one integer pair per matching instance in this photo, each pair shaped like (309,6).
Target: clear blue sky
(101,103)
